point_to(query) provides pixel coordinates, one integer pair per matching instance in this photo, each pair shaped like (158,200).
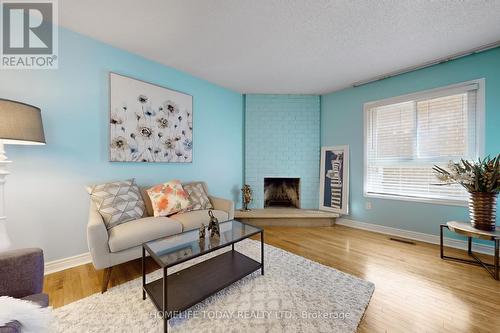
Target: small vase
(482,210)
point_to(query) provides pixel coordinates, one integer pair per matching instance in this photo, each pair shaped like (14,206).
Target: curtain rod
(429,63)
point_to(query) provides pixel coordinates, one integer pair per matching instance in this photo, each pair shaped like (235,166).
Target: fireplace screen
(281,192)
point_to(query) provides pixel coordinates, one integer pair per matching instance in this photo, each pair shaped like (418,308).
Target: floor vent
(402,240)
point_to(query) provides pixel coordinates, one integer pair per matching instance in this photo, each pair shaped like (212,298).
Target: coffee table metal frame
(158,290)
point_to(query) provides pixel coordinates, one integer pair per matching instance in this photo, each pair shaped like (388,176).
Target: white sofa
(123,242)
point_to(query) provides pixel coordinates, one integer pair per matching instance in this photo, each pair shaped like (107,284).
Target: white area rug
(294,295)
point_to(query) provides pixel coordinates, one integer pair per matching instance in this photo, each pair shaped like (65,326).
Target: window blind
(405,138)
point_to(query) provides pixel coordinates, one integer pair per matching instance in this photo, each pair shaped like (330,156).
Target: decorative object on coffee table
(246,192)
(213,226)
(202,230)
(482,180)
(20,124)
(470,232)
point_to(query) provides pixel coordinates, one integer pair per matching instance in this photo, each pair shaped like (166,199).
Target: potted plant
(481,179)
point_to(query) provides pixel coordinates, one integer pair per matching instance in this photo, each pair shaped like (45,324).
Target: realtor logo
(29,34)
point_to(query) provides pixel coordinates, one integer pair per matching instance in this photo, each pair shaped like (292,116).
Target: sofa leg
(105,279)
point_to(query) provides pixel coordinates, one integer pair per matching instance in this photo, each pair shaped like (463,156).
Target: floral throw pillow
(168,198)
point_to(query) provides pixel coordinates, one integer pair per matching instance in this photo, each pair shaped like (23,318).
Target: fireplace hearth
(282,192)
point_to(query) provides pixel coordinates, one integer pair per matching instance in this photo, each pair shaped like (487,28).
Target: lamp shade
(20,123)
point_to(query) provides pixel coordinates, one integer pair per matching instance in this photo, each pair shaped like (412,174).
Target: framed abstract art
(334,179)
(149,123)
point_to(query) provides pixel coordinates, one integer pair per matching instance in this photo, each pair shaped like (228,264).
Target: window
(405,136)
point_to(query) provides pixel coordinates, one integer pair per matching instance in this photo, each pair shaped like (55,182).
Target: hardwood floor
(415,291)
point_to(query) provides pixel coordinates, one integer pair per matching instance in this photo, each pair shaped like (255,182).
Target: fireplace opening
(281,192)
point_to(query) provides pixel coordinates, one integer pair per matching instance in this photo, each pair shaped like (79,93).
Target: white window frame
(427,94)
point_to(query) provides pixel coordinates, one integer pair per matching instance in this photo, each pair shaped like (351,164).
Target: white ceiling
(287,46)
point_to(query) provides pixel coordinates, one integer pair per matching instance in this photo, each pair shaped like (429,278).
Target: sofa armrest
(223,204)
(21,272)
(97,238)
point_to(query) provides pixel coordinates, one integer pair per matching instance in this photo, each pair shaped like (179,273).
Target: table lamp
(20,124)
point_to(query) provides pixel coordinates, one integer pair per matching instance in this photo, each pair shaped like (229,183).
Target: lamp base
(4,237)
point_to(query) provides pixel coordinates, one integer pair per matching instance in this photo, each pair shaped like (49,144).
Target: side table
(470,232)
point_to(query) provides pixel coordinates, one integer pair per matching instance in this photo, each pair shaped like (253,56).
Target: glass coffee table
(177,292)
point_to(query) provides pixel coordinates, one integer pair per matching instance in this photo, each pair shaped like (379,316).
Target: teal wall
(342,123)
(45,199)
(282,140)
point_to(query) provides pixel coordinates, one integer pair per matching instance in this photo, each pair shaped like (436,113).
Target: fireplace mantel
(291,217)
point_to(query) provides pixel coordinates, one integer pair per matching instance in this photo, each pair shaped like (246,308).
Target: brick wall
(282,139)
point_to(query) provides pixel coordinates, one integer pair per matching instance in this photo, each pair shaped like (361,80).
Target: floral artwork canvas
(149,123)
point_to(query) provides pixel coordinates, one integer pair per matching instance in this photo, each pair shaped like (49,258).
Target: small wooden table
(470,232)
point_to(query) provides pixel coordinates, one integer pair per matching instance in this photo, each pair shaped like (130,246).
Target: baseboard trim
(65,263)
(418,236)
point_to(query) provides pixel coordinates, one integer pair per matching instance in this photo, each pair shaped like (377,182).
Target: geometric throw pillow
(168,198)
(198,197)
(118,202)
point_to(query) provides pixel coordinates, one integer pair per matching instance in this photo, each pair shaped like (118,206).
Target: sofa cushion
(198,196)
(194,219)
(134,233)
(168,198)
(147,200)
(118,202)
